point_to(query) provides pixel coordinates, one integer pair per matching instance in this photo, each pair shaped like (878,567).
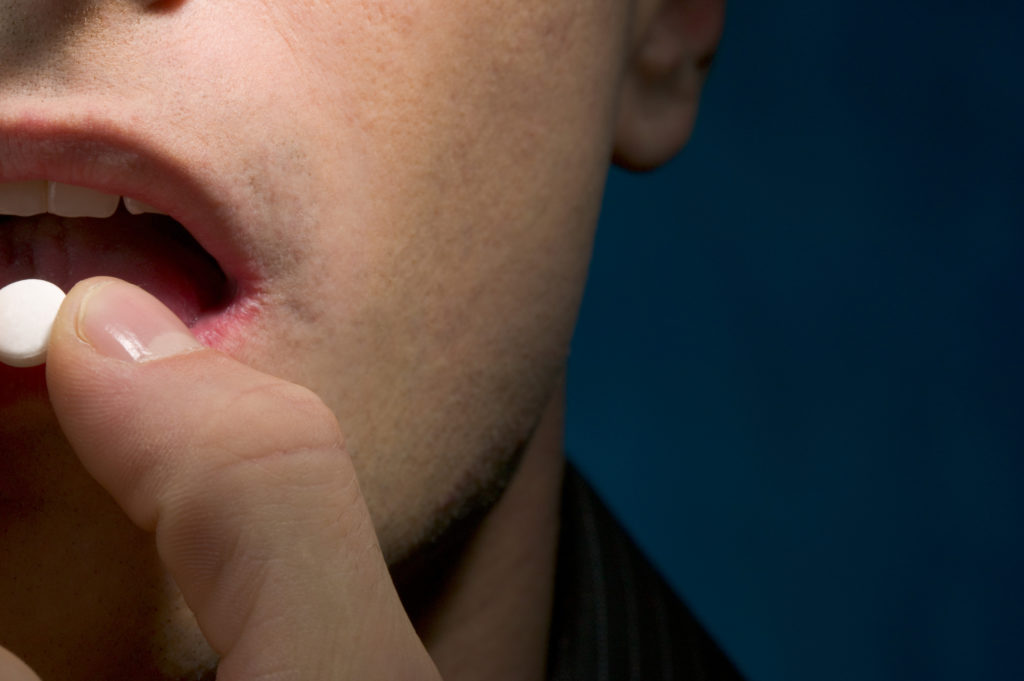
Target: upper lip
(114,158)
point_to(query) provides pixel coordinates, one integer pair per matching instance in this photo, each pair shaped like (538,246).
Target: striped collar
(615,618)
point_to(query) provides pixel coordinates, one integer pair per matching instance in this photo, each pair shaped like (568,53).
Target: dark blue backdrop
(798,374)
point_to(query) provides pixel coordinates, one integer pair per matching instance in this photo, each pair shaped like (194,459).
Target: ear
(675,43)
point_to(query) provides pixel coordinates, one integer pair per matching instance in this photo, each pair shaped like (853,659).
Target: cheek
(458,188)
(467,151)
(454,153)
(465,131)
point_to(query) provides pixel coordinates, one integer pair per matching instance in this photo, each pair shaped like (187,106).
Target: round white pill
(27,310)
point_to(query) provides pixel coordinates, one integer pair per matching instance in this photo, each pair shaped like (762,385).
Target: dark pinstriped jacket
(615,618)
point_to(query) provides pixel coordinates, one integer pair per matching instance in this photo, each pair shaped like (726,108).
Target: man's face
(401,195)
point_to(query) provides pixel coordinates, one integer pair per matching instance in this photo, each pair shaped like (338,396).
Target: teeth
(70,201)
(36,197)
(23,198)
(136,207)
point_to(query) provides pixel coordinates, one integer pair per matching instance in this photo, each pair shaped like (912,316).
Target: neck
(491,619)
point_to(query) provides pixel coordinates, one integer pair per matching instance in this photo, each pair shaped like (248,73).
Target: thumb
(245,481)
(13,669)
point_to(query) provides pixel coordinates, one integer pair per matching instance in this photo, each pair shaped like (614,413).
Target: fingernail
(125,322)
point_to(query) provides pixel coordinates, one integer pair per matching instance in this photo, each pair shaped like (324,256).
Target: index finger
(13,669)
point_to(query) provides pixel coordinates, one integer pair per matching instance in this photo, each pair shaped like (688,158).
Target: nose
(36,36)
(32,29)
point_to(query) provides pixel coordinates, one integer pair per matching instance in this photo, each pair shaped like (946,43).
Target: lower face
(407,191)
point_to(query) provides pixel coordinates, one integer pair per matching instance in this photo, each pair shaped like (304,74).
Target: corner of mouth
(155,252)
(190,252)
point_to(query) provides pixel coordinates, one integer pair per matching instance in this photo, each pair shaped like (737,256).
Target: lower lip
(153,253)
(224,330)
(227,328)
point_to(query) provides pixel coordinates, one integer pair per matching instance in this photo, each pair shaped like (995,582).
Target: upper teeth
(41,196)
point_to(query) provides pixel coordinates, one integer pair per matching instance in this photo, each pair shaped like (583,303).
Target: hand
(13,669)
(246,485)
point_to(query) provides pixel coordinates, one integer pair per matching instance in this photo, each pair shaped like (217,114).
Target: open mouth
(64,233)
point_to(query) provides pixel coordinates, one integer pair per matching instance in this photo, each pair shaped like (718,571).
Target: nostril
(162,6)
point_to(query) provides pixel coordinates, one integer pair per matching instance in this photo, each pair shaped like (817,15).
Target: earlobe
(663,80)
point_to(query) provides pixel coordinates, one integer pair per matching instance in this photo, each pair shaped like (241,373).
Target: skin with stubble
(400,197)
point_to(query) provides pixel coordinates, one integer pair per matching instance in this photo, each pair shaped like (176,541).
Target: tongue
(151,251)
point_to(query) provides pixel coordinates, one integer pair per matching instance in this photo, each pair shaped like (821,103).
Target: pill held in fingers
(27,311)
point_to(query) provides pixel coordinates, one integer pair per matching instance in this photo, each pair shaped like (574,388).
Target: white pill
(27,310)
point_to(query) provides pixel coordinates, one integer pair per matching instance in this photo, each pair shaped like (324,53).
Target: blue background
(798,371)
